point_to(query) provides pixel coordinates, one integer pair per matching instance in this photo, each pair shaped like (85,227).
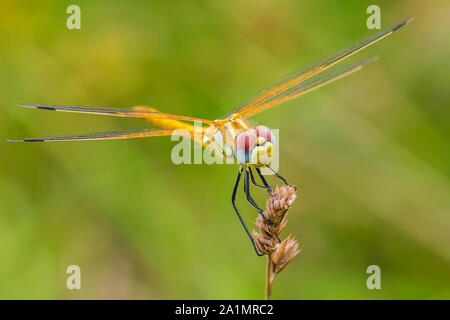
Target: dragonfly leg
(263,180)
(266,186)
(280,177)
(249,197)
(252,177)
(233,201)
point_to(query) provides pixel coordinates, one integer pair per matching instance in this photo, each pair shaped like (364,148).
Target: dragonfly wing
(307,86)
(136,112)
(101,136)
(298,77)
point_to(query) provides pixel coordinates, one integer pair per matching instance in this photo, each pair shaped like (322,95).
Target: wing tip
(27,105)
(26,140)
(37,106)
(410,20)
(367,61)
(371,59)
(403,23)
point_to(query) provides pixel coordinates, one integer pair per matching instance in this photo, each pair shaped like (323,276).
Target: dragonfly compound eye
(245,142)
(264,134)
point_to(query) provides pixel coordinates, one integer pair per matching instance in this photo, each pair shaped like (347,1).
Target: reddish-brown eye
(245,141)
(263,131)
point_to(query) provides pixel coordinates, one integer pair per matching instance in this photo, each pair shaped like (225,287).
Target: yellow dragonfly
(249,146)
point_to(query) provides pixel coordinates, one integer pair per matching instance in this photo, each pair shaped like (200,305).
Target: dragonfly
(233,135)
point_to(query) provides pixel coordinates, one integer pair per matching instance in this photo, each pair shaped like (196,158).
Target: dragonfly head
(255,146)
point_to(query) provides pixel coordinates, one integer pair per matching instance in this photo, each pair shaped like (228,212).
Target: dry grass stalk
(266,240)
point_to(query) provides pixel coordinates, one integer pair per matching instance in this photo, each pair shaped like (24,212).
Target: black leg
(280,177)
(264,180)
(249,197)
(233,198)
(265,186)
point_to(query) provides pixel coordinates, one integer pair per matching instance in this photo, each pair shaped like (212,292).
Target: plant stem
(269,277)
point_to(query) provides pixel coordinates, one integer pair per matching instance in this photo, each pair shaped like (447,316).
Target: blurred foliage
(370,153)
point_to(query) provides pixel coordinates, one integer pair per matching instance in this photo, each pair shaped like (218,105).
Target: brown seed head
(270,227)
(283,253)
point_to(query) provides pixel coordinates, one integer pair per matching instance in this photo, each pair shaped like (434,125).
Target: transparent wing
(101,136)
(307,86)
(136,112)
(294,80)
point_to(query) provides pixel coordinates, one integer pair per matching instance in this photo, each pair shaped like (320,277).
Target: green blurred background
(370,153)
